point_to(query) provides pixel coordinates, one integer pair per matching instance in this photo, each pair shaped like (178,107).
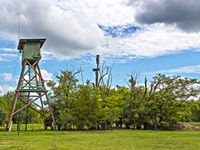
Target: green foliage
(167,101)
(160,104)
(63,98)
(6,102)
(3,116)
(5,107)
(87,106)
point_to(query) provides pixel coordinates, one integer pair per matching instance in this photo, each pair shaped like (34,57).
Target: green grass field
(98,140)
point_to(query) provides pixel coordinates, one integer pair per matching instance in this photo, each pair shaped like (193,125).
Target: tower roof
(23,41)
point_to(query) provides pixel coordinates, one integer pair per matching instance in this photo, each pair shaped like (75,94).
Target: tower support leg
(48,101)
(9,124)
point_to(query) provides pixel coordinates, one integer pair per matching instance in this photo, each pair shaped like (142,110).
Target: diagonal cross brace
(31,101)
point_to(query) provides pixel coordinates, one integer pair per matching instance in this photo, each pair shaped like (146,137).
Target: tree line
(159,104)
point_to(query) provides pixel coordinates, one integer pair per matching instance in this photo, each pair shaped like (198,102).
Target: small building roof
(23,41)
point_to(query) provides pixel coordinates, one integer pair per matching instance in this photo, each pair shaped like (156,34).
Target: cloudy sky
(143,36)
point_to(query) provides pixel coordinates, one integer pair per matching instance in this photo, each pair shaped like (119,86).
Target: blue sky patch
(119,31)
(7,44)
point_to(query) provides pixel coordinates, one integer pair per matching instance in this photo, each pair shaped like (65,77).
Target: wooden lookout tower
(31,88)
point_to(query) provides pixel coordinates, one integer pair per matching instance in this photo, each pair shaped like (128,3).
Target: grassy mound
(188,126)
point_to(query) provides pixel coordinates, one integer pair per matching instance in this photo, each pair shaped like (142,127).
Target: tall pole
(26,122)
(96,70)
(19,117)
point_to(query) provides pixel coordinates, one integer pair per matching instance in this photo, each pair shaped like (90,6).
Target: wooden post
(9,124)
(96,70)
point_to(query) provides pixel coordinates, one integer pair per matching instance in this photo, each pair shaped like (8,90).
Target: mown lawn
(99,140)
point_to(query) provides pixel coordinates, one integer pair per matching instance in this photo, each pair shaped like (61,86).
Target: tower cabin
(30,49)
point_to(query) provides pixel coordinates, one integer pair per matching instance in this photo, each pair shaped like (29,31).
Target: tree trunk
(127,126)
(106,125)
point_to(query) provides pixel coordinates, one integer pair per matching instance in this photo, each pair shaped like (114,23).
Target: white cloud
(71,29)
(46,75)
(8,50)
(65,33)
(182,71)
(152,41)
(6,88)
(7,56)
(46,55)
(104,12)
(7,76)
(186,69)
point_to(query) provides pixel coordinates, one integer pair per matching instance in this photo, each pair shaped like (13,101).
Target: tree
(6,101)
(166,98)
(3,116)
(5,105)
(62,97)
(114,106)
(135,112)
(87,106)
